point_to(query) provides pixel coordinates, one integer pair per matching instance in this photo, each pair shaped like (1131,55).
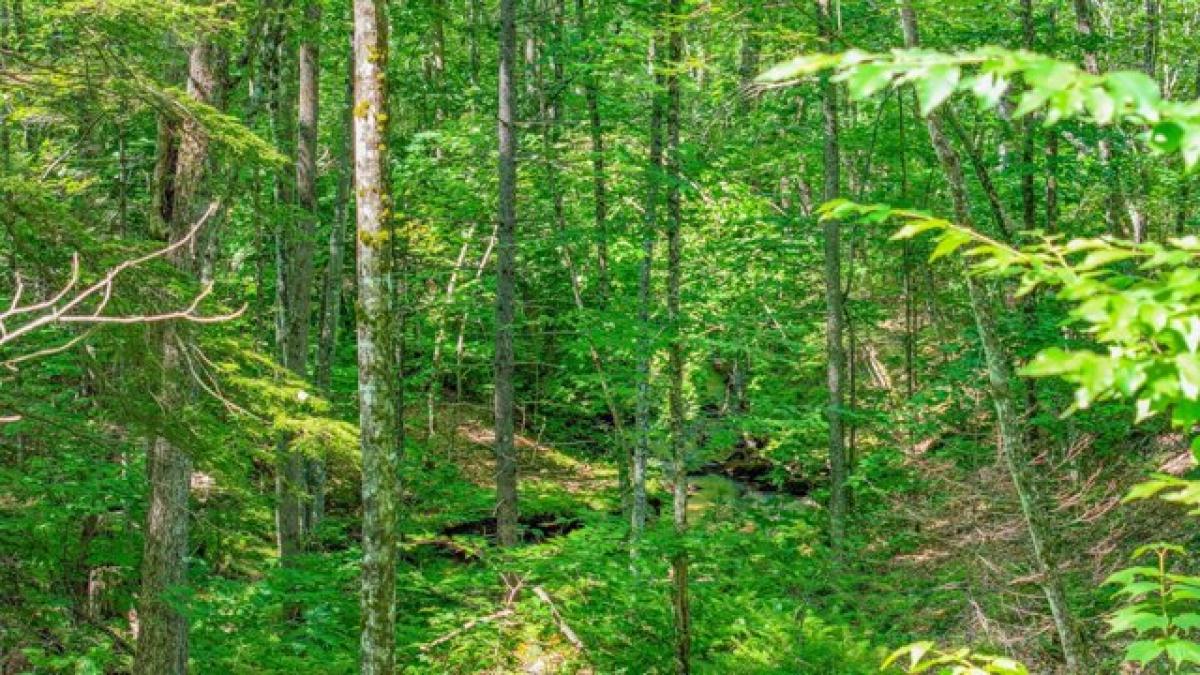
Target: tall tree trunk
(475,10)
(549,106)
(641,447)
(162,645)
(1150,48)
(591,93)
(294,283)
(377,374)
(1119,216)
(1008,419)
(6,21)
(300,276)
(834,311)
(331,291)
(1029,127)
(506,254)
(675,365)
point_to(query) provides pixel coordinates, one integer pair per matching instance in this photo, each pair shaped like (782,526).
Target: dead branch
(67,304)
(507,611)
(563,627)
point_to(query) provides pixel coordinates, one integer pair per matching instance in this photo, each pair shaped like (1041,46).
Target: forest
(599,336)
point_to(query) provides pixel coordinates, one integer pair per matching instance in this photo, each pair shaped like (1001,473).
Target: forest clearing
(826,337)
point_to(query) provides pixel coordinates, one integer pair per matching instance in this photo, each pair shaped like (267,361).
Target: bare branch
(67,304)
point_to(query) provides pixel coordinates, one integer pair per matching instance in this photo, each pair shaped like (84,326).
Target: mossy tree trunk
(377,376)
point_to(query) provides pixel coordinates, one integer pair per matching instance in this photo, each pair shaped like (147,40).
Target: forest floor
(580,602)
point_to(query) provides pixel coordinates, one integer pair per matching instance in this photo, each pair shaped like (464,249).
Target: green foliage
(1058,89)
(922,657)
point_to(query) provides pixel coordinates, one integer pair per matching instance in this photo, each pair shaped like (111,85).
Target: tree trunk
(506,253)
(1150,49)
(377,375)
(675,365)
(331,292)
(294,284)
(1008,419)
(162,645)
(834,311)
(1118,214)
(641,447)
(1029,127)
(591,95)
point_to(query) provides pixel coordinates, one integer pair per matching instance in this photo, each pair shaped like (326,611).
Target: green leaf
(949,242)
(1188,621)
(1187,365)
(1167,136)
(1144,490)
(868,78)
(1181,651)
(914,228)
(936,85)
(799,67)
(1134,91)
(1144,651)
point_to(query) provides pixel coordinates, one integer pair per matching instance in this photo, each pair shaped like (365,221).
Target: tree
(162,645)
(654,166)
(377,376)
(331,293)
(1012,448)
(294,274)
(506,257)
(834,310)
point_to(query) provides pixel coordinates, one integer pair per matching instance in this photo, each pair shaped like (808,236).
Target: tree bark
(591,93)
(834,310)
(641,447)
(1012,439)
(162,645)
(1150,48)
(377,375)
(1029,127)
(506,458)
(294,283)
(1119,216)
(331,292)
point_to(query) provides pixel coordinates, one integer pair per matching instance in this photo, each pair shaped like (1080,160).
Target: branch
(65,305)
(563,627)
(507,611)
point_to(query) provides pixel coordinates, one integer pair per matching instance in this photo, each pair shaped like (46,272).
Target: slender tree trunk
(331,294)
(1008,418)
(1150,48)
(834,311)
(675,347)
(439,340)
(5,46)
(907,263)
(549,106)
(591,93)
(748,64)
(999,215)
(641,448)
(1118,213)
(475,9)
(506,253)
(162,646)
(377,375)
(295,281)
(1051,181)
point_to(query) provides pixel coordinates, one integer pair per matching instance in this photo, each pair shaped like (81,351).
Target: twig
(507,611)
(66,304)
(563,627)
